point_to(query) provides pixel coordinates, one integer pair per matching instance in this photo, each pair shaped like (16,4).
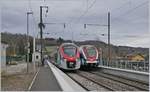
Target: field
(50,49)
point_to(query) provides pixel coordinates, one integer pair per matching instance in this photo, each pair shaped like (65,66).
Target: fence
(18,59)
(131,65)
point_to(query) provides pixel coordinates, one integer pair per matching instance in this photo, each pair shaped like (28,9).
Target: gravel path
(15,69)
(16,82)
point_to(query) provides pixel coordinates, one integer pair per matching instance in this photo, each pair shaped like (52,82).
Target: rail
(129,65)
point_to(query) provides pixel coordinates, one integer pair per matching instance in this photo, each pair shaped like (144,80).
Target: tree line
(18,45)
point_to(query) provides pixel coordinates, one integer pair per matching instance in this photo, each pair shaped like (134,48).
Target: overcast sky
(129,19)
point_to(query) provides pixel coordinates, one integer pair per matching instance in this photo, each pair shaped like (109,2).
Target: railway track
(94,80)
(86,83)
(137,84)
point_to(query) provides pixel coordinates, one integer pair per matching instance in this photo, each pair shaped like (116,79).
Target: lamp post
(28,43)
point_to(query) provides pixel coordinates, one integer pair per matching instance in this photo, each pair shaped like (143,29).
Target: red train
(68,57)
(89,56)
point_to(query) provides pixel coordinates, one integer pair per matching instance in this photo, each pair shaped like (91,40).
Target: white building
(36,57)
(3,56)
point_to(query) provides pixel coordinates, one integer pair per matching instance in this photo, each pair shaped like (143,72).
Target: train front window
(70,51)
(91,51)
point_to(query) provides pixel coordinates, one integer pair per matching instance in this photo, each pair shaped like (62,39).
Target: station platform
(50,78)
(45,81)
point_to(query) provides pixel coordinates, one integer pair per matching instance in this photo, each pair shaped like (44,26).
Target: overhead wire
(85,12)
(105,13)
(126,13)
(121,7)
(129,11)
(87,9)
(44,1)
(30,7)
(118,8)
(33,16)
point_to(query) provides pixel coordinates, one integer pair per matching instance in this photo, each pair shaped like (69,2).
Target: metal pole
(137,67)
(125,64)
(72,37)
(109,37)
(144,66)
(147,66)
(41,25)
(41,33)
(101,56)
(131,65)
(27,43)
(34,54)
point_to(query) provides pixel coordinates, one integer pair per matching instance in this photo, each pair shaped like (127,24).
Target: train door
(58,59)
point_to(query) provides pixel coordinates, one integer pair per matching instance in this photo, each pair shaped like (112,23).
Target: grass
(50,49)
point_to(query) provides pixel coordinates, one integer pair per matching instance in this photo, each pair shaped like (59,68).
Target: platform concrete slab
(66,83)
(45,81)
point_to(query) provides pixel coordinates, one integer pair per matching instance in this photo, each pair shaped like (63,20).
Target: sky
(128,26)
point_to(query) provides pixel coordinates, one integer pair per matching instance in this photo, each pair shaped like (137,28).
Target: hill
(17,42)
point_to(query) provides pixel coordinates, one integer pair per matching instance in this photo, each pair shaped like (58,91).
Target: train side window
(37,57)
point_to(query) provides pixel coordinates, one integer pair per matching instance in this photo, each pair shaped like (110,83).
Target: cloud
(128,17)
